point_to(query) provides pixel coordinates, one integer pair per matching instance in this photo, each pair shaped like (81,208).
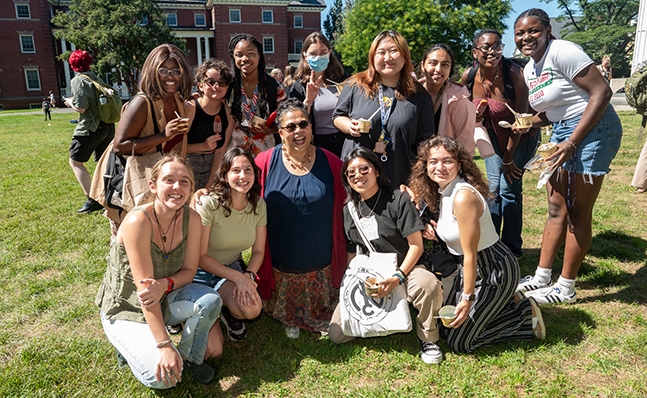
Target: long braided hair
(235,94)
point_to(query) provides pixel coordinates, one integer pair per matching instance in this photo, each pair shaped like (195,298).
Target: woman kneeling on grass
(148,285)
(233,219)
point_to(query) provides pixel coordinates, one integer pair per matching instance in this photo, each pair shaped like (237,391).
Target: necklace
(295,163)
(164,233)
(374,206)
(487,90)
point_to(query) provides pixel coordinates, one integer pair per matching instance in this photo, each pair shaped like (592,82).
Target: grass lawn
(52,343)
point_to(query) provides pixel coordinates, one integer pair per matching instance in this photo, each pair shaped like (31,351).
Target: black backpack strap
(155,126)
(507,80)
(470,80)
(272,89)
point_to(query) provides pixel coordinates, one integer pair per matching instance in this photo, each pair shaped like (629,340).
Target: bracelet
(507,164)
(163,343)
(400,278)
(171,285)
(573,145)
(252,275)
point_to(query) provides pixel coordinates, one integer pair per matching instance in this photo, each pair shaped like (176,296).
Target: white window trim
(33,42)
(295,22)
(195,19)
(27,80)
(273,49)
(240,16)
(263,14)
(28,9)
(295,46)
(167,15)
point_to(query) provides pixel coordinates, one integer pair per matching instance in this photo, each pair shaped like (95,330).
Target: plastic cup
(524,121)
(364,125)
(370,286)
(258,121)
(447,315)
(547,149)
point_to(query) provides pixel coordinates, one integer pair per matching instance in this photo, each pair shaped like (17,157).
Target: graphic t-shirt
(550,81)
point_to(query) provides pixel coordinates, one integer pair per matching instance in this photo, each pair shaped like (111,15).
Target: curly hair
(157,168)
(290,105)
(369,80)
(221,189)
(370,156)
(150,83)
(425,189)
(80,61)
(234,92)
(219,66)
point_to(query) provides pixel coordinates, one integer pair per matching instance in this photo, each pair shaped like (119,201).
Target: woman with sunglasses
(499,82)
(398,229)
(213,124)
(398,108)
(567,91)
(305,257)
(314,85)
(253,95)
(150,120)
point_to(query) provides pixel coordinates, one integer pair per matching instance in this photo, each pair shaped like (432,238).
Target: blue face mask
(318,63)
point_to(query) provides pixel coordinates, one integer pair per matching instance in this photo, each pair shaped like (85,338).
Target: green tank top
(117,294)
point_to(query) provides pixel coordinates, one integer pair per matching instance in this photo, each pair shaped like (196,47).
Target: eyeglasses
(290,128)
(215,83)
(497,48)
(165,72)
(363,170)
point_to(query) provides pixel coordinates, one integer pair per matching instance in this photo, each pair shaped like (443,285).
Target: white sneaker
(292,332)
(430,352)
(551,295)
(529,283)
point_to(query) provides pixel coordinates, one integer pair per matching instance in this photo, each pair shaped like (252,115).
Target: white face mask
(318,63)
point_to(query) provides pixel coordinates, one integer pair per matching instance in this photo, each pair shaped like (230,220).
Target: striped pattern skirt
(494,316)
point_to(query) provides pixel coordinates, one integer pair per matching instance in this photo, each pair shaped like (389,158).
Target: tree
(333,24)
(422,22)
(602,27)
(118,33)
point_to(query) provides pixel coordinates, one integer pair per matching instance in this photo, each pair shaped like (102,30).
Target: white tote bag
(365,316)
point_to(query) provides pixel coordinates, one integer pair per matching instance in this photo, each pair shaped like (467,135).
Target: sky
(518,6)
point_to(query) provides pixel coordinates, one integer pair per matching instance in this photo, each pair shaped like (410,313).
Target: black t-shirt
(396,218)
(203,125)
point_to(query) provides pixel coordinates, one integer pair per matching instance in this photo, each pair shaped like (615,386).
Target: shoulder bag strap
(353,212)
(155,126)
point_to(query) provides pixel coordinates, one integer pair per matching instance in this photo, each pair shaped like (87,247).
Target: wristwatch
(468,297)
(251,275)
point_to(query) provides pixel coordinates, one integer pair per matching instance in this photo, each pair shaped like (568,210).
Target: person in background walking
(46,110)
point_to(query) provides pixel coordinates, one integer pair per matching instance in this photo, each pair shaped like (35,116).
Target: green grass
(52,343)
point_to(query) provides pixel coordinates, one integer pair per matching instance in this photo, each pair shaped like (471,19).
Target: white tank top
(448,225)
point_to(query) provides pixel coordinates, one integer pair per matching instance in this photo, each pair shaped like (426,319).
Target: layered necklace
(487,89)
(163,233)
(374,206)
(295,163)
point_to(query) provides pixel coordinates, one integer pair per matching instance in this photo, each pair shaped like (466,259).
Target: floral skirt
(304,300)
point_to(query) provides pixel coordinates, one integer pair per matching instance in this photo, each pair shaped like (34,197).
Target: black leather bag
(113,180)
(436,257)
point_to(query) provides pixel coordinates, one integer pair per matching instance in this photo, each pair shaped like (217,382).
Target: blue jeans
(198,306)
(507,205)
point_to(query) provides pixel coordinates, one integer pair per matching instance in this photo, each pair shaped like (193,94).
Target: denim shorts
(598,148)
(205,278)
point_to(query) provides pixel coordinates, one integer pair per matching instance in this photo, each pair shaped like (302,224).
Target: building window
(268,45)
(33,79)
(268,16)
(298,21)
(234,15)
(171,19)
(298,46)
(200,20)
(22,11)
(27,44)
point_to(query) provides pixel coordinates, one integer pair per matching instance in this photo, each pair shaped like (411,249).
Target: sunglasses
(215,83)
(363,170)
(497,48)
(165,72)
(290,128)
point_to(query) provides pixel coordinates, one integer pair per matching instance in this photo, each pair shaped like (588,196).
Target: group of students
(171,264)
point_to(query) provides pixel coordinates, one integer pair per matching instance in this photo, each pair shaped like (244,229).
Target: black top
(396,218)
(203,125)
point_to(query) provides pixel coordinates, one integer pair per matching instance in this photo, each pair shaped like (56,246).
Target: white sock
(567,285)
(543,275)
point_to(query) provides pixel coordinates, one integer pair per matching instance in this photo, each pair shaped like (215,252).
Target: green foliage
(333,24)
(422,23)
(118,33)
(602,27)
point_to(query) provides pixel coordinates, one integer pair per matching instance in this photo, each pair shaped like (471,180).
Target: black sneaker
(89,206)
(174,329)
(236,328)
(121,361)
(203,373)
(430,352)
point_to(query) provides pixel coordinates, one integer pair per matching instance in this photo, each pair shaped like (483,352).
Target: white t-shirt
(550,81)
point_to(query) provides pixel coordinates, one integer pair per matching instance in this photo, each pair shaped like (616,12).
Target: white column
(66,69)
(207,48)
(198,41)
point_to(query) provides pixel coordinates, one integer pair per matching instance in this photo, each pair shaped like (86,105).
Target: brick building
(29,68)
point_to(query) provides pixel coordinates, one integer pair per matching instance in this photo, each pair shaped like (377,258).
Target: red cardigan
(266,283)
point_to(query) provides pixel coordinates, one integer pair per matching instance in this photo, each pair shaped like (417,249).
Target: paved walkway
(38,111)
